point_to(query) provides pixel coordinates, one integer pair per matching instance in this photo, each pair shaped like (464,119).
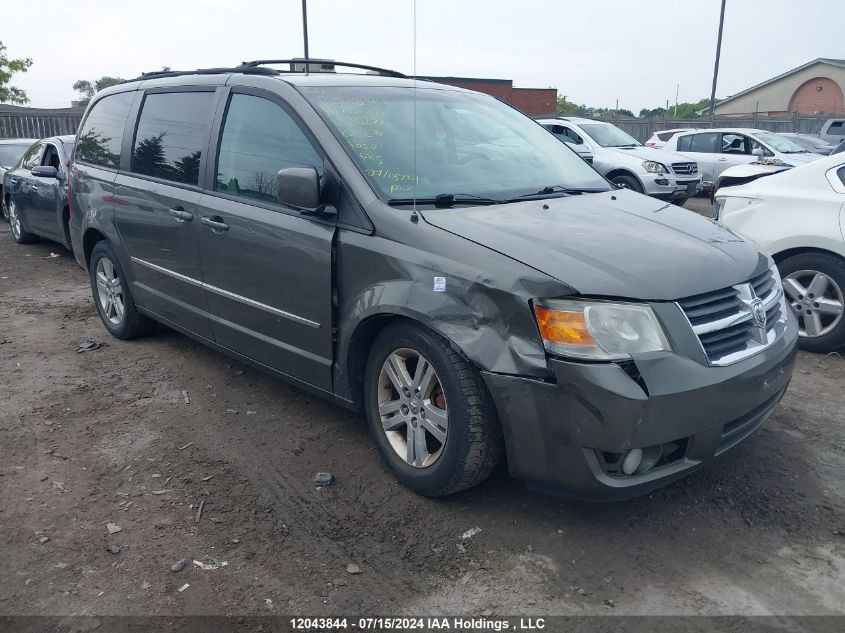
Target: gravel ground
(108,437)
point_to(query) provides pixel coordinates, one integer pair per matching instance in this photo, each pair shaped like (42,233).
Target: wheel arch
(785,254)
(362,339)
(89,241)
(613,173)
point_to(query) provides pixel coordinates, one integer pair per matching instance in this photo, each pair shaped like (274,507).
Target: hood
(801,159)
(651,153)
(612,244)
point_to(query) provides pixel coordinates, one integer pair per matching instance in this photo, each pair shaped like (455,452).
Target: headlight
(653,167)
(718,205)
(598,330)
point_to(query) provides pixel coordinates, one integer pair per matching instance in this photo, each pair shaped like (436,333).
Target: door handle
(216,223)
(181,215)
(722,159)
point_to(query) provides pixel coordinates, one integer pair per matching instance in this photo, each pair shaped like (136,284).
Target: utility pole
(677,90)
(716,66)
(305,30)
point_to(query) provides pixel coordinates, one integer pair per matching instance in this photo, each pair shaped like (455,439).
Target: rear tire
(815,284)
(435,374)
(112,296)
(19,232)
(627,182)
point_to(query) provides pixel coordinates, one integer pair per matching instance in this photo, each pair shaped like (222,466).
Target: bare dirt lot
(107,436)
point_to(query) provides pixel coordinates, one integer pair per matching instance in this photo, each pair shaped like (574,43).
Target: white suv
(717,149)
(625,161)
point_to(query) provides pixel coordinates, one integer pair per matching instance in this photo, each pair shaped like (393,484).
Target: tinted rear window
(102,133)
(172,133)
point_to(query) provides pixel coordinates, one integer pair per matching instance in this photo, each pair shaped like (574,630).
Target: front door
(156,206)
(267,269)
(44,212)
(736,150)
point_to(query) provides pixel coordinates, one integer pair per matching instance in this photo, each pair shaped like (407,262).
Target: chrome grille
(724,320)
(685,168)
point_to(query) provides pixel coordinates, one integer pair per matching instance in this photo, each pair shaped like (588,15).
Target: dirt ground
(106,436)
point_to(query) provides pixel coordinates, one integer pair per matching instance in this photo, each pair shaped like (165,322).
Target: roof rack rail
(323,62)
(249,70)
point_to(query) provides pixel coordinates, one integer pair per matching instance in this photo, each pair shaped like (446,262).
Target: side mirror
(45,171)
(757,152)
(299,187)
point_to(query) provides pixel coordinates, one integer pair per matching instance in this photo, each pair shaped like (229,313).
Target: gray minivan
(352,234)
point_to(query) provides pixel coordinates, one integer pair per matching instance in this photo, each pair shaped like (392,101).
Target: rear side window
(705,143)
(837,128)
(102,133)
(665,136)
(841,174)
(171,135)
(260,138)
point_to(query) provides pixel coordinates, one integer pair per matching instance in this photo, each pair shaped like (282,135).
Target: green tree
(149,155)
(8,67)
(88,89)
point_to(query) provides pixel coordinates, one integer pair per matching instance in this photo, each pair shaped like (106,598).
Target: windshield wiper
(446,200)
(562,189)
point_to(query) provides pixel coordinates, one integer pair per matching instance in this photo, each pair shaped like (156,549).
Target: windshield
(809,142)
(608,135)
(10,153)
(780,143)
(466,143)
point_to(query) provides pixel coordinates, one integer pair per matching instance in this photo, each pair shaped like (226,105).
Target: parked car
(658,139)
(11,151)
(717,149)
(833,131)
(810,143)
(353,235)
(740,174)
(625,161)
(796,217)
(35,192)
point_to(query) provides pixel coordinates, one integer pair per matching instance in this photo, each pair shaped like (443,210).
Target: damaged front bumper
(570,436)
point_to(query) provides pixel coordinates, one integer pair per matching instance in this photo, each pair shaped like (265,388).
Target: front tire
(814,284)
(112,296)
(627,181)
(429,412)
(19,233)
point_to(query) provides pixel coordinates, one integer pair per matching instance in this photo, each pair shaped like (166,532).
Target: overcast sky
(592,52)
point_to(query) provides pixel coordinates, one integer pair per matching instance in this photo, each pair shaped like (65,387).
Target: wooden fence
(34,123)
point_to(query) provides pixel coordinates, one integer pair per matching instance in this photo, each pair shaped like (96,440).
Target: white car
(796,216)
(625,161)
(658,139)
(717,149)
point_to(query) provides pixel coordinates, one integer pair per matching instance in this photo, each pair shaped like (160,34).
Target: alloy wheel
(110,291)
(14,220)
(412,407)
(817,301)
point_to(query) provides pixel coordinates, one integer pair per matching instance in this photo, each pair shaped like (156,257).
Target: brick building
(532,101)
(816,88)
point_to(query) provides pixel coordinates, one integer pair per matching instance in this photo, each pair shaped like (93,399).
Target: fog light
(632,461)
(661,181)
